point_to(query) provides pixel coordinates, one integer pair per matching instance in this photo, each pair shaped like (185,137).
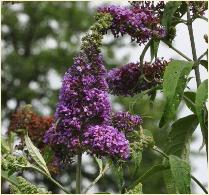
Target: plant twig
(205,53)
(49,177)
(97,178)
(155,148)
(196,62)
(204,18)
(177,51)
(78,174)
(191,35)
(144,52)
(199,184)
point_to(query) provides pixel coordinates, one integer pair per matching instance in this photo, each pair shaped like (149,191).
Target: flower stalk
(78,174)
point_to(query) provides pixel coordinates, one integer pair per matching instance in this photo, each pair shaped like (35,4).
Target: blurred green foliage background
(39,41)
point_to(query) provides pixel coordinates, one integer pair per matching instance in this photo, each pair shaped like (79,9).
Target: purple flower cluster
(198,8)
(106,140)
(141,24)
(126,122)
(83,101)
(133,78)
(83,114)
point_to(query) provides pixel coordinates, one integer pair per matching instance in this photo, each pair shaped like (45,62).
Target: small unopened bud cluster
(25,187)
(13,163)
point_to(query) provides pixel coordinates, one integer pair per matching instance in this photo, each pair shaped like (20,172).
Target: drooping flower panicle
(133,78)
(141,24)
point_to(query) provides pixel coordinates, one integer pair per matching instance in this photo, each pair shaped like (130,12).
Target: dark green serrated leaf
(174,83)
(204,63)
(201,97)
(189,98)
(180,135)
(180,171)
(154,45)
(169,12)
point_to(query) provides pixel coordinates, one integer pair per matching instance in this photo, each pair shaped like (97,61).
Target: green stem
(196,62)
(78,174)
(191,36)
(97,178)
(199,184)
(205,53)
(144,52)
(155,148)
(203,17)
(51,179)
(177,51)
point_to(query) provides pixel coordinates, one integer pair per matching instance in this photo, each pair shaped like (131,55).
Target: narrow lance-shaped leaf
(201,97)
(180,171)
(180,136)
(36,155)
(154,48)
(174,83)
(189,98)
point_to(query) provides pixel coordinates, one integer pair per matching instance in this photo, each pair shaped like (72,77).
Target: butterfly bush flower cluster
(124,121)
(140,23)
(198,8)
(83,118)
(83,114)
(133,78)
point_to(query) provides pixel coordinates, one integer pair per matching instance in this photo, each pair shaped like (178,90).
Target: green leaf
(180,171)
(11,178)
(169,12)
(204,63)
(119,174)
(154,45)
(180,136)
(35,154)
(136,159)
(48,154)
(189,98)
(174,83)
(201,97)
(169,182)
(136,190)
(100,163)
(151,171)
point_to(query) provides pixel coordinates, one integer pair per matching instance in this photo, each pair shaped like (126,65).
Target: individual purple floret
(83,101)
(126,122)
(140,24)
(129,80)
(106,140)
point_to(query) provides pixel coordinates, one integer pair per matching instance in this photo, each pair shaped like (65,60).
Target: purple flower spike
(129,80)
(106,140)
(140,23)
(83,101)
